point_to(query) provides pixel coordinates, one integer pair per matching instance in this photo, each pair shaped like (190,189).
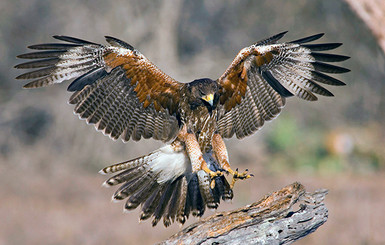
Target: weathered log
(272,220)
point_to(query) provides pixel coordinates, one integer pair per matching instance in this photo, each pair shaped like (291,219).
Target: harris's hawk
(124,95)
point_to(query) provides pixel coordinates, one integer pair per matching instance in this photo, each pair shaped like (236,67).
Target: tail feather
(119,193)
(173,205)
(222,188)
(141,195)
(181,215)
(131,187)
(165,186)
(124,176)
(205,190)
(150,204)
(130,169)
(163,203)
(194,197)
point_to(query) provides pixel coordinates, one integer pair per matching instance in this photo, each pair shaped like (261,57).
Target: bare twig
(372,12)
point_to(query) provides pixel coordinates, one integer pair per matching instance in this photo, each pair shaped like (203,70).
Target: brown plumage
(124,95)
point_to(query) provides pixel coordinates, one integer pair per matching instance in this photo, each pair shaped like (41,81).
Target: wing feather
(121,120)
(253,88)
(115,87)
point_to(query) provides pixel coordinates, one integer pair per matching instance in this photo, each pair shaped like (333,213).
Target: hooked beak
(209,98)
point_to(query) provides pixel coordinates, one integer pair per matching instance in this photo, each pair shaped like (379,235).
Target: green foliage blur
(314,150)
(49,159)
(189,40)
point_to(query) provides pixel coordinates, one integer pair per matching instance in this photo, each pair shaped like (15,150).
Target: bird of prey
(117,89)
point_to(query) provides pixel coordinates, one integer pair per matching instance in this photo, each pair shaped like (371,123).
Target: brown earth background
(50,190)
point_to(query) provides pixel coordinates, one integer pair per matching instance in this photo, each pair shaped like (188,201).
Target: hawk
(124,95)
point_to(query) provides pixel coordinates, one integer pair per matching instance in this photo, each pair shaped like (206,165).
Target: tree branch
(372,12)
(268,221)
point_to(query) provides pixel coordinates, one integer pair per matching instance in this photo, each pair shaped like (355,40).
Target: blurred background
(50,190)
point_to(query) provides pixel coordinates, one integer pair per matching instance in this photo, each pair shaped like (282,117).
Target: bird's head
(203,92)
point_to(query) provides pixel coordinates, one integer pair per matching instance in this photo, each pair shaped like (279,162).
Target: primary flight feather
(125,96)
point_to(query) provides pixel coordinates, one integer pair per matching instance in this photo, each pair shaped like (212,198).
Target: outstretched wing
(115,87)
(254,87)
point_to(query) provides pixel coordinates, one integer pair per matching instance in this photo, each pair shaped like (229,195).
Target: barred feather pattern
(165,186)
(261,103)
(273,72)
(111,104)
(105,93)
(125,96)
(71,61)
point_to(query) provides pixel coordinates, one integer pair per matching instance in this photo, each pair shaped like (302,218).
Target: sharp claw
(213,175)
(216,174)
(212,184)
(239,176)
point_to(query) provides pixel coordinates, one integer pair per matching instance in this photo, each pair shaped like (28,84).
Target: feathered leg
(195,154)
(220,151)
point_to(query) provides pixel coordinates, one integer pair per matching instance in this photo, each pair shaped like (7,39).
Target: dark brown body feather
(200,120)
(124,95)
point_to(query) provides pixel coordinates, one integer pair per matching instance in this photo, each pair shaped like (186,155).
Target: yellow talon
(212,175)
(212,184)
(215,174)
(237,176)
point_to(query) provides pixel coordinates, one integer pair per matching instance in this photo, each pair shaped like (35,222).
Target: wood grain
(272,220)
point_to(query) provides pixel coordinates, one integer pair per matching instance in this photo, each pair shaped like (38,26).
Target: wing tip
(33,46)
(117,42)
(308,39)
(321,46)
(60,37)
(280,35)
(338,44)
(32,84)
(327,68)
(74,40)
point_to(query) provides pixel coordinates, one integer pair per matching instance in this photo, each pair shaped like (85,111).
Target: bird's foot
(238,176)
(212,175)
